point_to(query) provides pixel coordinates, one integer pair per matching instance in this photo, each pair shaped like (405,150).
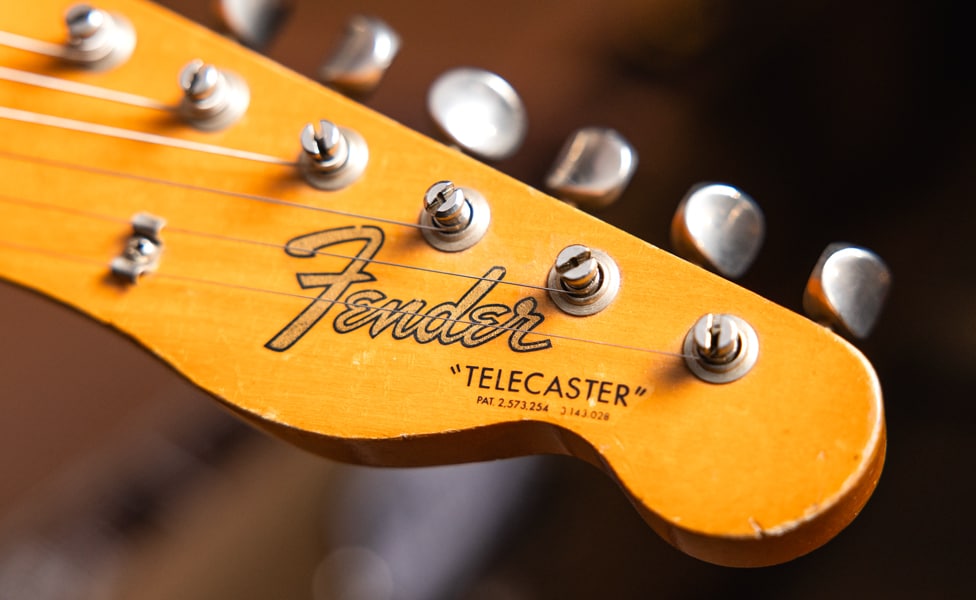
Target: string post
(721,348)
(717,339)
(200,81)
(97,40)
(447,206)
(213,99)
(453,218)
(583,280)
(579,271)
(332,157)
(83,22)
(327,147)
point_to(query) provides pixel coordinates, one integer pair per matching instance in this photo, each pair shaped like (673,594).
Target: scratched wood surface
(754,472)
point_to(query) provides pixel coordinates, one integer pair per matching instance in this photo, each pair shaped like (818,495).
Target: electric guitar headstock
(374,296)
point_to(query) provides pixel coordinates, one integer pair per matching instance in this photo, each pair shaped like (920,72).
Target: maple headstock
(326,317)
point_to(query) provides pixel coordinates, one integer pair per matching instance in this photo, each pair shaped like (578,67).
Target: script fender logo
(465,321)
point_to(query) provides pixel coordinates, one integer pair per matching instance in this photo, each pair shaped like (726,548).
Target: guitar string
(24,116)
(52,162)
(313,299)
(277,246)
(201,188)
(81,89)
(250,196)
(98,129)
(20,42)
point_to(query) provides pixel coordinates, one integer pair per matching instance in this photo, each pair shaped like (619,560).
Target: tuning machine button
(593,168)
(253,22)
(212,98)
(365,53)
(847,289)
(97,39)
(718,227)
(479,112)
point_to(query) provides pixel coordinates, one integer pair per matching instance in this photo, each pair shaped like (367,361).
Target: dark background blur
(846,120)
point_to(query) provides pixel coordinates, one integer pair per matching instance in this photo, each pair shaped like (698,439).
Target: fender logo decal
(466,321)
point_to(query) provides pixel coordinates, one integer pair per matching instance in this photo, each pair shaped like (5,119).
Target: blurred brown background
(845,120)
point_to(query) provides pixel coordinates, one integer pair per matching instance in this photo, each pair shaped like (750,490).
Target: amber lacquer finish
(748,473)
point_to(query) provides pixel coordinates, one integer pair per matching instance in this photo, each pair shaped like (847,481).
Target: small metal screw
(140,249)
(447,206)
(83,21)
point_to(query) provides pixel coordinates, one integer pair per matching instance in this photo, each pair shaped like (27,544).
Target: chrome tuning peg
(332,157)
(362,57)
(718,227)
(253,22)
(213,99)
(847,289)
(593,168)
(478,111)
(98,39)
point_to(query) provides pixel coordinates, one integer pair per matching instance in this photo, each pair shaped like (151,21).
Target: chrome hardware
(212,99)
(454,218)
(327,147)
(332,157)
(721,348)
(578,271)
(583,281)
(447,206)
(367,50)
(847,289)
(143,249)
(253,22)
(720,228)
(479,112)
(593,168)
(97,39)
